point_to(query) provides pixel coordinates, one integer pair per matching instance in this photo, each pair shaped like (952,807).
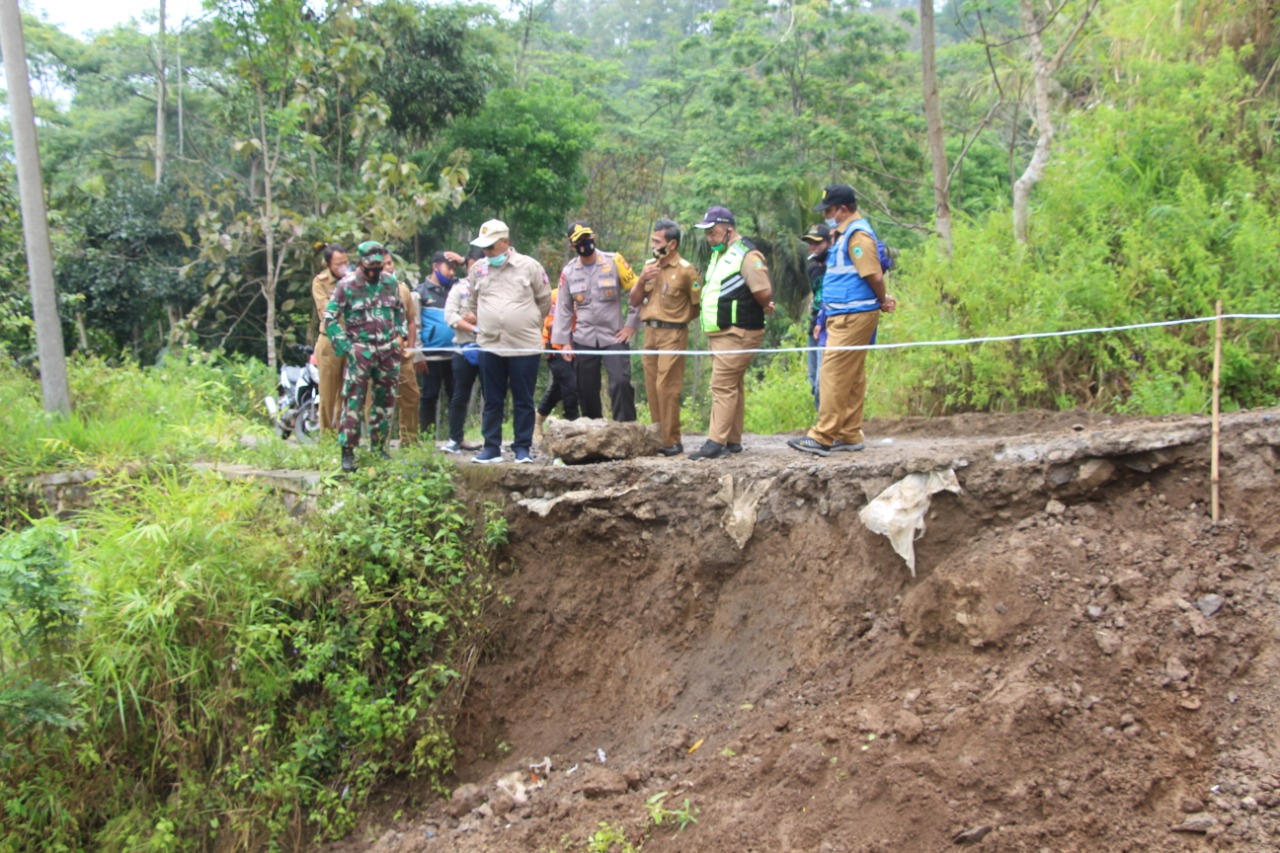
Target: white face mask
(832,222)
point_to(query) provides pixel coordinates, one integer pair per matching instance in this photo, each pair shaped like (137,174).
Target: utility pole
(35,221)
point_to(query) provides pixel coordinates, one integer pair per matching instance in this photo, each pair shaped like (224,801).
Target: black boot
(348,460)
(382,452)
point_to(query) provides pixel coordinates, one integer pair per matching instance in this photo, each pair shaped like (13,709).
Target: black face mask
(371,273)
(585,248)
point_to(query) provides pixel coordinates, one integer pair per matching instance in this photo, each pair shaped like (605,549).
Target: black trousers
(439,376)
(622,397)
(563,389)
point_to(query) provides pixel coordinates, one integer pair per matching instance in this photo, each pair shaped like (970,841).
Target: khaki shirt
(672,297)
(412,314)
(511,302)
(589,312)
(321,292)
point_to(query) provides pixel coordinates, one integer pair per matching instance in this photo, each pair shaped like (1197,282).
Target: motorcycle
(297,409)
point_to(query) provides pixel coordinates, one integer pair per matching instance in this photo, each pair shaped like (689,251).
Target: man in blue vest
(853,296)
(736,296)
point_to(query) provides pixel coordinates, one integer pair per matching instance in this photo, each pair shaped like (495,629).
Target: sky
(80,17)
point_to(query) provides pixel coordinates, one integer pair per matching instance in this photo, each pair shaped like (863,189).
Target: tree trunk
(35,221)
(1040,117)
(162,92)
(933,118)
(268,232)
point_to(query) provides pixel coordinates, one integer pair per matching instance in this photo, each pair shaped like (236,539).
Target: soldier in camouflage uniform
(366,322)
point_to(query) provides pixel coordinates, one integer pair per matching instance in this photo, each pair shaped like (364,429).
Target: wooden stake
(1217,372)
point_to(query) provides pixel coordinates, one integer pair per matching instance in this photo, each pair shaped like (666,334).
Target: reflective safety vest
(843,290)
(726,299)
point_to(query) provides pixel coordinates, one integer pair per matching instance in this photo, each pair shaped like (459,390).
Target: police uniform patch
(857,251)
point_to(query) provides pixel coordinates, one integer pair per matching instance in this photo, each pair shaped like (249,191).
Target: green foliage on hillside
(413,123)
(192,668)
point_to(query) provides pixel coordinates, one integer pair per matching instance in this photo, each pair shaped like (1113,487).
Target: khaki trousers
(728,392)
(842,382)
(664,379)
(331,369)
(407,396)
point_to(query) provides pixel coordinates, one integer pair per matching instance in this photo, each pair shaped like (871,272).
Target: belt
(663,324)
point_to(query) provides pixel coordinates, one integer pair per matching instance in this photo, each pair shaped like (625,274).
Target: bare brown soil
(1084,661)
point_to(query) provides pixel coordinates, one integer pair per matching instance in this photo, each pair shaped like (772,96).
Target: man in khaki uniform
(329,364)
(853,298)
(736,296)
(407,392)
(667,290)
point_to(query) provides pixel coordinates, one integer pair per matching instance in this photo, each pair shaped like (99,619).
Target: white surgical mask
(832,222)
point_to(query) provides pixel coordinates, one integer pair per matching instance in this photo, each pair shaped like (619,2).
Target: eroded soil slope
(1083,661)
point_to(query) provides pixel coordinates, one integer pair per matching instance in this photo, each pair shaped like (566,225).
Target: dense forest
(1038,166)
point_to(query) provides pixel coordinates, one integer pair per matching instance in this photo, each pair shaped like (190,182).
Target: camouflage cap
(372,251)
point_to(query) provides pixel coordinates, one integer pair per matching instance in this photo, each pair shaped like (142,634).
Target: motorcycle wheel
(307,424)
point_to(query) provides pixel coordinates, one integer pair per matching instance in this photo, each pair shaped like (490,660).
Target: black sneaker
(674,450)
(839,446)
(348,460)
(733,447)
(809,445)
(710,450)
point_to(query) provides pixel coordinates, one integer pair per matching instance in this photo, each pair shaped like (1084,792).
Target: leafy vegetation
(414,122)
(192,668)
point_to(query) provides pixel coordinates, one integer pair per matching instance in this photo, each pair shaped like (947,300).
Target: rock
(1191,805)
(501,803)
(972,835)
(1129,586)
(908,726)
(598,440)
(1108,642)
(1094,472)
(600,782)
(1094,612)
(1200,823)
(1176,669)
(781,723)
(464,799)
(1210,604)
(1055,508)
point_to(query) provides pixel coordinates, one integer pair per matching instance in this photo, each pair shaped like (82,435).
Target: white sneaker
(450,446)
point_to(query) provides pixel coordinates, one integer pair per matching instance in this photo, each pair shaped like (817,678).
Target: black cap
(715,215)
(837,194)
(816,234)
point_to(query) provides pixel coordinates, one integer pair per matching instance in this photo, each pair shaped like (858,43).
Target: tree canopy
(1151,153)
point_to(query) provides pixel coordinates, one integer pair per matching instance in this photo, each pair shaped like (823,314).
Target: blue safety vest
(843,290)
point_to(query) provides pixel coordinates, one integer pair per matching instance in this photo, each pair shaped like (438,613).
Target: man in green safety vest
(736,296)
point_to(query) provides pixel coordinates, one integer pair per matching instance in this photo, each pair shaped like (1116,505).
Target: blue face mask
(832,222)
(497,260)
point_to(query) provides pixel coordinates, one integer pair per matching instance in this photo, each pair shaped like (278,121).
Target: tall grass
(235,678)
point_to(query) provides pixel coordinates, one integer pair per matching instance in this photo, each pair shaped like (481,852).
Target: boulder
(598,440)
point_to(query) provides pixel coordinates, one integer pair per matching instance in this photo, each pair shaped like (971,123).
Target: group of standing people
(499,322)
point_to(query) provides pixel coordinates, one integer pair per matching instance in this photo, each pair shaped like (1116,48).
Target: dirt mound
(1082,661)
